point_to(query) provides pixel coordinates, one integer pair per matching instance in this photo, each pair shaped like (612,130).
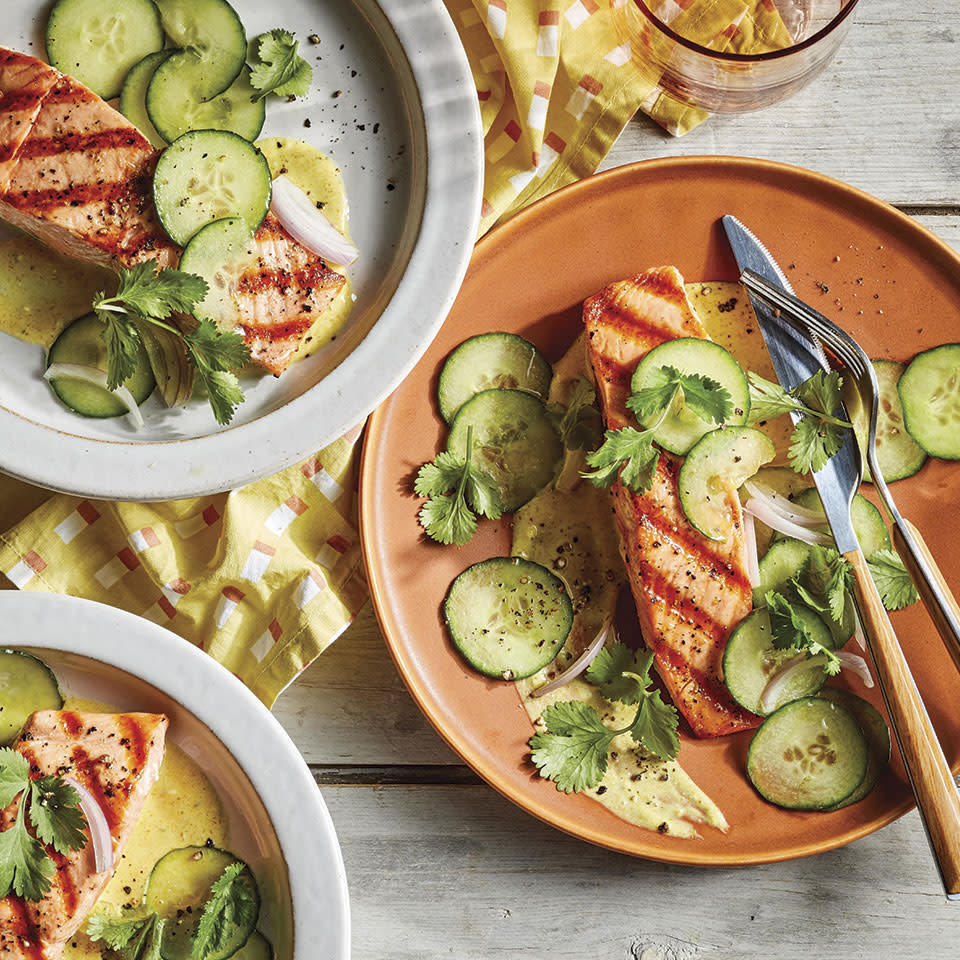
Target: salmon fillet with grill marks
(76,174)
(117,758)
(689,591)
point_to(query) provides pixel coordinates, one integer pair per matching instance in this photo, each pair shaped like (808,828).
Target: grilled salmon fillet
(117,758)
(76,174)
(689,591)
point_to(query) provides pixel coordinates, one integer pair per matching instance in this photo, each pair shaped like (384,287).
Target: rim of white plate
(449,121)
(238,719)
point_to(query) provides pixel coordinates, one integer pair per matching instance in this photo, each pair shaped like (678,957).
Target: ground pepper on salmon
(76,174)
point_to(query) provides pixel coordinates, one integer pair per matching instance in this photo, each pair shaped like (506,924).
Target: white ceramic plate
(278,821)
(406,118)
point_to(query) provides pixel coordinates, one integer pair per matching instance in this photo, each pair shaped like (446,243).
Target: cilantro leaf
(279,69)
(579,423)
(655,726)
(14,775)
(232,903)
(155,294)
(122,339)
(620,673)
(573,750)
(120,932)
(821,393)
(56,815)
(25,868)
(213,353)
(705,397)
(788,630)
(831,577)
(450,517)
(813,444)
(768,399)
(893,582)
(628,454)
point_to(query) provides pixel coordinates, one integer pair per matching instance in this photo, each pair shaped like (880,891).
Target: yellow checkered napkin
(265,578)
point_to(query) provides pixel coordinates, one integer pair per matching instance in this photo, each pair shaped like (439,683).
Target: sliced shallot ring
(775,685)
(750,542)
(80,371)
(578,665)
(97,824)
(805,516)
(776,521)
(855,663)
(308,225)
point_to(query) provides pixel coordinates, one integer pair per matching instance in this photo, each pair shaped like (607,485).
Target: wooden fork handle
(931,585)
(927,767)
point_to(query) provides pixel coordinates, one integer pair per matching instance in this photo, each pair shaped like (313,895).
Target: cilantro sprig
(232,903)
(277,67)
(458,490)
(818,433)
(787,629)
(146,295)
(629,454)
(574,747)
(52,808)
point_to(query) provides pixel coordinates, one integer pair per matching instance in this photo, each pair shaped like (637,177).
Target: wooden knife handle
(927,767)
(924,572)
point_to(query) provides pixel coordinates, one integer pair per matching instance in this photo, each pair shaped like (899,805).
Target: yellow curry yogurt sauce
(181,810)
(320,179)
(42,292)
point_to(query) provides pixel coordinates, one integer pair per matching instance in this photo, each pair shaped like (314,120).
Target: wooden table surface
(439,864)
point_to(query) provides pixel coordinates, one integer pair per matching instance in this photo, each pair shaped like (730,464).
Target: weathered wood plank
(460,872)
(884,117)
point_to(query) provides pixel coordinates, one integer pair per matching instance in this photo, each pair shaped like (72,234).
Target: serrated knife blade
(795,359)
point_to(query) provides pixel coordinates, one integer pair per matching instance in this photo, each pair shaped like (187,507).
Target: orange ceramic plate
(890,282)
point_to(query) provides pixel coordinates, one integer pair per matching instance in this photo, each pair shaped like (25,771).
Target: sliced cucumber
(930,393)
(219,252)
(26,685)
(134,93)
(877,734)
(784,560)
(256,948)
(491,361)
(98,41)
(174,104)
(212,31)
(750,660)
(713,471)
(867,520)
(508,617)
(82,343)
(809,755)
(513,441)
(692,355)
(177,889)
(207,175)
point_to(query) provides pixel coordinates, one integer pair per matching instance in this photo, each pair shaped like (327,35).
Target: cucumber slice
(513,441)
(219,252)
(256,948)
(508,617)
(82,343)
(930,393)
(750,660)
(491,361)
(174,104)
(784,560)
(207,175)
(877,734)
(26,685)
(178,887)
(713,471)
(809,755)
(682,427)
(867,520)
(213,33)
(98,41)
(134,93)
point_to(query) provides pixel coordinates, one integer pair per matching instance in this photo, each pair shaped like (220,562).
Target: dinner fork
(930,582)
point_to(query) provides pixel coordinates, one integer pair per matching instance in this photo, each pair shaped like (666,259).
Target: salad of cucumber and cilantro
(190,81)
(200,902)
(819,747)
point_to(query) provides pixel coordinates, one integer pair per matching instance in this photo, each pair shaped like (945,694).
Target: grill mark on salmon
(689,591)
(117,758)
(76,174)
